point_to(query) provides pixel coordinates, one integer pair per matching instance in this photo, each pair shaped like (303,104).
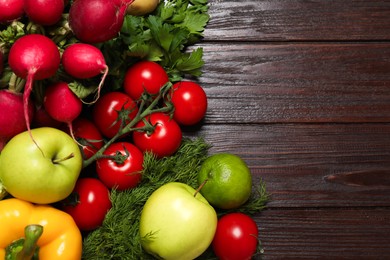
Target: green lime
(226,180)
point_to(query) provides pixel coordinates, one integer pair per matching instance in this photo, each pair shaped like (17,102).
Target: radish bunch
(38,60)
(36,57)
(33,57)
(57,53)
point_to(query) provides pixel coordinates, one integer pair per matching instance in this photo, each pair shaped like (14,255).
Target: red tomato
(235,237)
(164,140)
(124,173)
(88,135)
(88,204)
(190,102)
(107,109)
(144,75)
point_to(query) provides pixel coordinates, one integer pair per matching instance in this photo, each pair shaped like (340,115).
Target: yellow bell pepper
(60,239)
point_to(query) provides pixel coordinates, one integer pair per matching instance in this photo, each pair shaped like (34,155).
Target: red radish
(42,119)
(44,12)
(96,21)
(62,104)
(11,117)
(11,10)
(82,60)
(33,57)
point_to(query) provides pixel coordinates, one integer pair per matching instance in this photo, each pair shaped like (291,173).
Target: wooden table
(301,91)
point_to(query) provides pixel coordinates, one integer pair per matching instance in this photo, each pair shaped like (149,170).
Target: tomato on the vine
(110,110)
(144,76)
(124,169)
(88,135)
(189,101)
(163,140)
(236,237)
(88,204)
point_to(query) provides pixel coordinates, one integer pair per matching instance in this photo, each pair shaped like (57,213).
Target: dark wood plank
(304,165)
(300,90)
(270,83)
(325,234)
(298,20)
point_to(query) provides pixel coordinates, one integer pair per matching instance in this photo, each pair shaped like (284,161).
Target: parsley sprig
(164,37)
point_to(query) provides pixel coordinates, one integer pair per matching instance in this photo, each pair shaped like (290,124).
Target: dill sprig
(118,237)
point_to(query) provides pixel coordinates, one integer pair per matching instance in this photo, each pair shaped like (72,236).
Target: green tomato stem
(142,113)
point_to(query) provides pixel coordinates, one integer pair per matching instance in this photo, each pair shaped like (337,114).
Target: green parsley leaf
(161,36)
(81,90)
(191,62)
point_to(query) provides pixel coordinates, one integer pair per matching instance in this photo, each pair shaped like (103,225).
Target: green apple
(42,172)
(177,223)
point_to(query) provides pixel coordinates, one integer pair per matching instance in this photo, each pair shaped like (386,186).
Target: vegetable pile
(119,79)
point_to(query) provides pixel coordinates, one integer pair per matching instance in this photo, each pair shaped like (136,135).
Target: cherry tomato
(190,102)
(144,76)
(88,204)
(123,172)
(109,108)
(164,140)
(235,237)
(88,135)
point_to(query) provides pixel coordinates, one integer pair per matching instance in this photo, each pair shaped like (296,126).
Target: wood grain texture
(294,160)
(326,82)
(298,20)
(300,90)
(336,233)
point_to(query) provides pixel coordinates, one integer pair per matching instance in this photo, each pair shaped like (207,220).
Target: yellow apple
(177,223)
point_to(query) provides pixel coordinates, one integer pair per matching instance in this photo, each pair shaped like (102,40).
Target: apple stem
(63,159)
(200,187)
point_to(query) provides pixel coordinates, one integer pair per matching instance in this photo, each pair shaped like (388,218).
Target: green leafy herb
(163,37)
(118,237)
(9,34)
(82,90)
